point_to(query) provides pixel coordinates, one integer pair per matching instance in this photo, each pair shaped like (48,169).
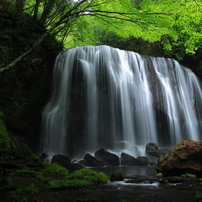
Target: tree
(149,20)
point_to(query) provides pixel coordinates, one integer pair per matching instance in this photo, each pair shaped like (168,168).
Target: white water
(106,97)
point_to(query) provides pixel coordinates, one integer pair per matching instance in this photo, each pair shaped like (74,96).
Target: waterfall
(119,100)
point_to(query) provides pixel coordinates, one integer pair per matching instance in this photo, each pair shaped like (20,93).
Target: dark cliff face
(25,89)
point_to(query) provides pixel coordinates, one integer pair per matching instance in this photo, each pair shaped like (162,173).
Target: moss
(66,184)
(91,176)
(180,143)
(162,161)
(80,178)
(55,169)
(24,193)
(172,179)
(159,174)
(116,176)
(4,138)
(198,196)
(189,175)
(86,200)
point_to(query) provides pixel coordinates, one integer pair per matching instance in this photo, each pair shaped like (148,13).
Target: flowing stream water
(119,100)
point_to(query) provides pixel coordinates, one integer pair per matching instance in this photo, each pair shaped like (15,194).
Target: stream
(125,192)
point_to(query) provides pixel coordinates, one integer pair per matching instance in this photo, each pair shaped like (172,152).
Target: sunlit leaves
(151,20)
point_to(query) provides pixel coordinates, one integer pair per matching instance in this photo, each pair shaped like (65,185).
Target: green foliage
(67,184)
(9,183)
(79,178)
(198,196)
(26,172)
(89,175)
(176,24)
(55,169)
(24,193)
(4,138)
(159,174)
(189,175)
(147,19)
(86,200)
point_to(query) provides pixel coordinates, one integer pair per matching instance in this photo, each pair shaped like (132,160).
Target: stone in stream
(92,161)
(116,176)
(143,161)
(128,160)
(107,157)
(152,149)
(61,160)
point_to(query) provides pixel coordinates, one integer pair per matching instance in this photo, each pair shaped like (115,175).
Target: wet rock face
(186,157)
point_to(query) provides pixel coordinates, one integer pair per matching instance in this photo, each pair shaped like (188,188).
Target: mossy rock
(184,158)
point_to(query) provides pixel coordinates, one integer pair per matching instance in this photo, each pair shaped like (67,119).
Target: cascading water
(115,99)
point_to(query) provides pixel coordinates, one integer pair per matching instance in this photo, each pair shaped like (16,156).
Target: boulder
(164,151)
(116,176)
(128,160)
(153,152)
(61,160)
(143,161)
(152,149)
(45,157)
(92,161)
(107,157)
(186,157)
(140,179)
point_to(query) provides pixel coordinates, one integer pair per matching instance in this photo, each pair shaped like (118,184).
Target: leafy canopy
(75,21)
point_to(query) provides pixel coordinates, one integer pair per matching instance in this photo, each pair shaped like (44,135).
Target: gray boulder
(128,160)
(92,161)
(107,157)
(143,161)
(61,160)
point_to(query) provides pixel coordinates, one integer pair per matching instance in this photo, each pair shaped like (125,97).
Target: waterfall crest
(115,99)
